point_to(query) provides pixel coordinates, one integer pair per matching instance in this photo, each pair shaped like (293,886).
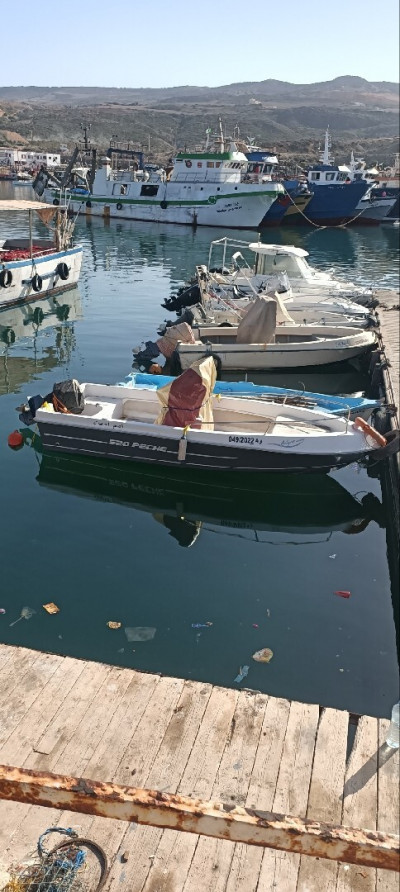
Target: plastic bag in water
(140,633)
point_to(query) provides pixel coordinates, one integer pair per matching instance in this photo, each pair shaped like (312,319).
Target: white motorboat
(273,267)
(225,304)
(31,267)
(184,424)
(257,342)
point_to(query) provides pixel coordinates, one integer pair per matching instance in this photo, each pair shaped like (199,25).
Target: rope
(316,225)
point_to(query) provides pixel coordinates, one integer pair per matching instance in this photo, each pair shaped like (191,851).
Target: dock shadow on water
(219,569)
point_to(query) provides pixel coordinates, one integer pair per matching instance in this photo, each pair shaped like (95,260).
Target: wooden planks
(246,748)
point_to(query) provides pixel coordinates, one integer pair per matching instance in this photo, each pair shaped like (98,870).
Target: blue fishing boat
(297,195)
(351,406)
(337,190)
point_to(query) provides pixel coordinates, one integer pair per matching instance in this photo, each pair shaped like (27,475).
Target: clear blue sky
(198,42)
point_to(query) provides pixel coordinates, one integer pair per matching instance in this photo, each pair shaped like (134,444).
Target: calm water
(106,542)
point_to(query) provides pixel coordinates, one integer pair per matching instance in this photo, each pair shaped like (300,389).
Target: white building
(27,158)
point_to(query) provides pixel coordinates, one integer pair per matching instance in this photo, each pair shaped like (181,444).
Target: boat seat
(134,410)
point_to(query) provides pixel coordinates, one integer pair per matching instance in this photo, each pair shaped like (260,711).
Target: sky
(167,43)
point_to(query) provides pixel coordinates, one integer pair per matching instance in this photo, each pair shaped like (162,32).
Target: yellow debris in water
(51,608)
(112,625)
(263,656)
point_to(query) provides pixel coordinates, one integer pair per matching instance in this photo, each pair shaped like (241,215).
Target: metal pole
(219,820)
(30,234)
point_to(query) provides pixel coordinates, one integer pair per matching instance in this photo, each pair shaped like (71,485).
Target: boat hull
(153,448)
(241,209)
(234,356)
(21,288)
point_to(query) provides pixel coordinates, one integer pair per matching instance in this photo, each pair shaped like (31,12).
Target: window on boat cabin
(199,164)
(149,189)
(316,175)
(218,164)
(210,163)
(124,189)
(341,177)
(330,176)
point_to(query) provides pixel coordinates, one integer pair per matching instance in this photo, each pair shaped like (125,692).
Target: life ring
(62,270)
(188,163)
(5,278)
(37,282)
(369,432)
(119,206)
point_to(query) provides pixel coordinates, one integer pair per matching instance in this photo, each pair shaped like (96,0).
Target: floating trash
(201,625)
(332,557)
(140,633)
(263,656)
(243,671)
(26,613)
(342,593)
(255,626)
(51,608)
(2,610)
(113,625)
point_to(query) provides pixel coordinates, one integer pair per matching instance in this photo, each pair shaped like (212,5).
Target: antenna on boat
(326,156)
(221,134)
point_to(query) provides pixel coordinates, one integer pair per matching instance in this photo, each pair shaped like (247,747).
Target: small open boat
(258,343)
(348,406)
(32,267)
(184,424)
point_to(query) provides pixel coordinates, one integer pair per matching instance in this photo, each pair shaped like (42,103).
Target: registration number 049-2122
(250,441)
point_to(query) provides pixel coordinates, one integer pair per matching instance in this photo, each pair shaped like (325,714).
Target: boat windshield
(270,264)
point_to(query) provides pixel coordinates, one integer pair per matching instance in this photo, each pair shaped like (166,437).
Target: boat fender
(56,202)
(182,446)
(119,206)
(188,163)
(163,205)
(62,270)
(88,204)
(15,440)
(37,282)
(5,278)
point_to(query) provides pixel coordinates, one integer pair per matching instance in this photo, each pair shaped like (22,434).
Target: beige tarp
(259,323)
(173,334)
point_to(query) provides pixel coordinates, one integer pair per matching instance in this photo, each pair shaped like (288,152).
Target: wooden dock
(389,322)
(74,717)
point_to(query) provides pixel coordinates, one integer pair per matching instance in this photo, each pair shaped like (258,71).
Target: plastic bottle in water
(393,734)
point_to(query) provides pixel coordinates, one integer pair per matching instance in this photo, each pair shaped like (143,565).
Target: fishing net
(75,865)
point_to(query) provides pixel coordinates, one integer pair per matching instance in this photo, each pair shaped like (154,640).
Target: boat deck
(81,718)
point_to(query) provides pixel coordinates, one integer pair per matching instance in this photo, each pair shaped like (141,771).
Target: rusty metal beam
(368,848)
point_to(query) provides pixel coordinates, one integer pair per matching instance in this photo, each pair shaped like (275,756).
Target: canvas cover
(173,334)
(259,322)
(186,402)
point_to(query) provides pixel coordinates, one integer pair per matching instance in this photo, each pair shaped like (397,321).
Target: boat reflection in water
(26,320)
(184,502)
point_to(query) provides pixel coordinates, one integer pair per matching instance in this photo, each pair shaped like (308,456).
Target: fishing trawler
(207,187)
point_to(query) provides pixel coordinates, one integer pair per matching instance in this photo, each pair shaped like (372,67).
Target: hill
(291,118)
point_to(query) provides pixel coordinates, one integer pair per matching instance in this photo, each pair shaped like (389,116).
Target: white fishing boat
(31,267)
(276,267)
(208,187)
(257,342)
(183,424)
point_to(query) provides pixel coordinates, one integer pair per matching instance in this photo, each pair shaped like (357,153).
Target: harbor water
(208,571)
